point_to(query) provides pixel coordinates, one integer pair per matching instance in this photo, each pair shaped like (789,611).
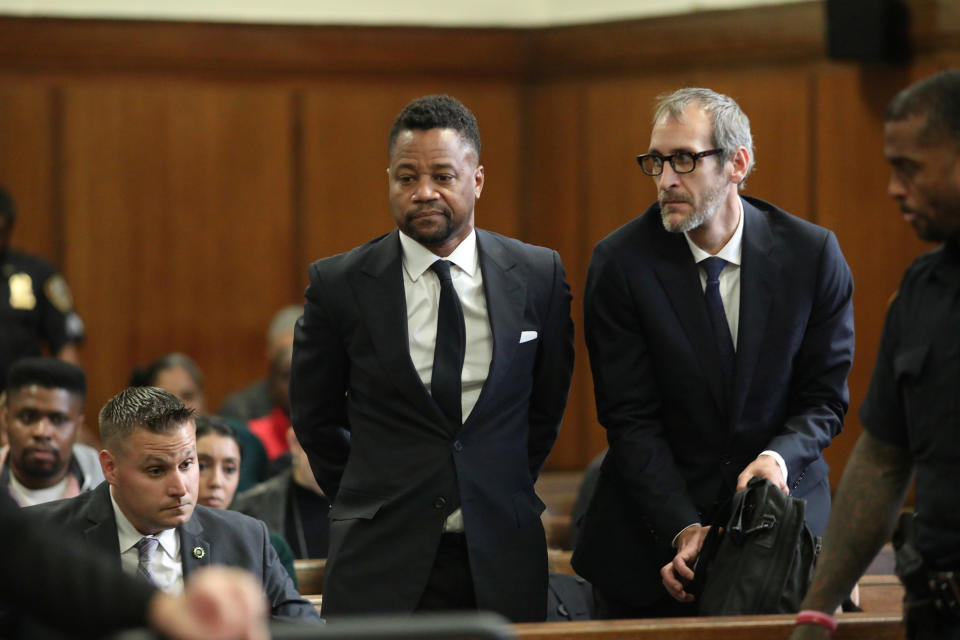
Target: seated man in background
(257,400)
(179,374)
(293,504)
(42,417)
(272,428)
(146,511)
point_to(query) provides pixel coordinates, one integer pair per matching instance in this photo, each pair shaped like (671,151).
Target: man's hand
(679,569)
(763,467)
(218,603)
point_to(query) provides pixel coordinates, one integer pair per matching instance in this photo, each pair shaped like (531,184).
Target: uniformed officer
(36,308)
(911,415)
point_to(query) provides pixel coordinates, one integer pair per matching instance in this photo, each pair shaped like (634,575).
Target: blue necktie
(451,344)
(718,320)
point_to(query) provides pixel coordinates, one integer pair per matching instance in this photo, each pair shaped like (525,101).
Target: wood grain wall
(183,175)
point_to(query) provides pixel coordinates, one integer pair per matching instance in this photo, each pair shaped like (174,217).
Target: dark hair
(49,373)
(437,112)
(147,376)
(936,97)
(215,425)
(8,210)
(149,408)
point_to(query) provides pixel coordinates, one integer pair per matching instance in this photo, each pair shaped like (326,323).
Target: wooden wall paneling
(615,125)
(345,158)
(778,104)
(702,39)
(178,212)
(27,163)
(220,50)
(851,199)
(554,151)
(617,115)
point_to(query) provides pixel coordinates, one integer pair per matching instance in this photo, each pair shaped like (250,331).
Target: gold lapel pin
(198,553)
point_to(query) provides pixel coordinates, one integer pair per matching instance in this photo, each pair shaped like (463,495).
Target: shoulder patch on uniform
(58,292)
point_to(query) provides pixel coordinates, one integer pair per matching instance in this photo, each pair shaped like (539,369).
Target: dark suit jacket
(40,576)
(676,444)
(225,538)
(392,463)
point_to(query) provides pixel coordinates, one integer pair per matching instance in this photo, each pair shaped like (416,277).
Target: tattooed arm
(862,519)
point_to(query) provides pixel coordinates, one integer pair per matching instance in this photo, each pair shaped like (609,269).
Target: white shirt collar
(417,258)
(129,536)
(732,252)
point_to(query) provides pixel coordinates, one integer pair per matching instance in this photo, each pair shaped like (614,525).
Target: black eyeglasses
(682,162)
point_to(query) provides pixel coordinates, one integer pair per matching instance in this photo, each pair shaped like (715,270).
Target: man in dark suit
(145,514)
(91,597)
(720,331)
(427,392)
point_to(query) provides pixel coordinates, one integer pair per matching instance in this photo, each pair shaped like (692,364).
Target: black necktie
(449,351)
(718,319)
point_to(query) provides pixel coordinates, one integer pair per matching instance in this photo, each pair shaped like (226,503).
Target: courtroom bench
(309,575)
(853,626)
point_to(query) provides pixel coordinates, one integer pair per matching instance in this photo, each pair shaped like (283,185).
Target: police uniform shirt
(36,309)
(914,396)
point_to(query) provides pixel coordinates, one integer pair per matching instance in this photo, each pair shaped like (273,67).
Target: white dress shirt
(165,565)
(421,287)
(422,290)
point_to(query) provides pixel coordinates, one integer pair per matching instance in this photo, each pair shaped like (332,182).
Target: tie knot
(713,266)
(146,546)
(442,269)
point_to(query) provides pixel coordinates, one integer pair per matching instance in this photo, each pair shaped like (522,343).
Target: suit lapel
(680,279)
(505,289)
(379,287)
(102,530)
(759,273)
(195,550)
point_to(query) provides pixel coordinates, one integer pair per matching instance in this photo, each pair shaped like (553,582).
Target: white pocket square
(527,336)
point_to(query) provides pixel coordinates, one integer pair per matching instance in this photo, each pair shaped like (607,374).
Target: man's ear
(109,465)
(478,178)
(740,161)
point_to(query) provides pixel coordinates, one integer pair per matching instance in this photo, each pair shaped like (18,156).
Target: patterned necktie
(449,351)
(146,546)
(718,319)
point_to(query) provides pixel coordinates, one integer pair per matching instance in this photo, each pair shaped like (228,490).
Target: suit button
(439,502)
(458,446)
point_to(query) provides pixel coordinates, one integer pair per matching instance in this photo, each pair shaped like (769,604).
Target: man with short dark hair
(36,308)
(146,512)
(430,372)
(42,417)
(911,415)
(720,331)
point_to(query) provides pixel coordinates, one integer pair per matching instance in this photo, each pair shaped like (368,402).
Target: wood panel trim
(252,50)
(773,34)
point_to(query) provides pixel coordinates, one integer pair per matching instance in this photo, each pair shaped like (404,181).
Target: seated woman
(219,454)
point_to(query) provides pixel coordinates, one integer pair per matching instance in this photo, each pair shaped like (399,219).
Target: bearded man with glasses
(720,332)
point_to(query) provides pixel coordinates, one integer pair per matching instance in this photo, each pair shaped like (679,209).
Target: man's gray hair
(731,127)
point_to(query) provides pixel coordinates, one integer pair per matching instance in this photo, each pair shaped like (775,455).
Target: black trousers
(450,586)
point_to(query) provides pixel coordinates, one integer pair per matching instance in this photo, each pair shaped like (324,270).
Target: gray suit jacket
(225,538)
